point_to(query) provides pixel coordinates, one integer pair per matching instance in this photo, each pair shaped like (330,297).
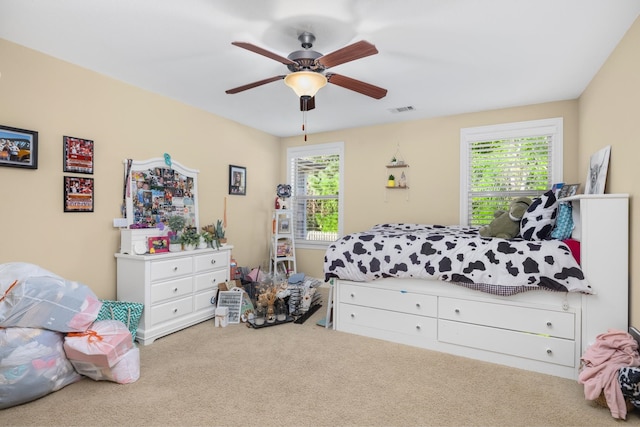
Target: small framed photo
(78,194)
(568,190)
(18,148)
(158,244)
(284,226)
(237,180)
(77,155)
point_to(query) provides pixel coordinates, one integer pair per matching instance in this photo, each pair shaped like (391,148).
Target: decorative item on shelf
(403,181)
(190,239)
(392,181)
(260,315)
(281,310)
(283,192)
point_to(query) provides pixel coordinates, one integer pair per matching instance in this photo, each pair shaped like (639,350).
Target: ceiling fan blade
(357,85)
(307,104)
(264,52)
(254,84)
(348,53)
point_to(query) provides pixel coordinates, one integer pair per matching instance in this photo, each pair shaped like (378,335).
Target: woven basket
(127,312)
(602,401)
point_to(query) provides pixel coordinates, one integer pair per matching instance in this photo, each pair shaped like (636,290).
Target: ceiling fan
(308,69)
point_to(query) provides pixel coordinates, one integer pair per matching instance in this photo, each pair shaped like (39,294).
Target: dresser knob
(175,290)
(418,327)
(213,261)
(353,315)
(175,268)
(175,310)
(352,295)
(213,280)
(417,305)
(549,352)
(549,324)
(457,310)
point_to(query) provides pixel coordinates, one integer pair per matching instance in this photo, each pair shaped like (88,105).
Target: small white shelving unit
(282,258)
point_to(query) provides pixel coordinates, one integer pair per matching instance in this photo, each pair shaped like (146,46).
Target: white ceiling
(441,57)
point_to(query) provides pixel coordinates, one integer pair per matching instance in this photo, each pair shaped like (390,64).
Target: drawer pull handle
(175,268)
(213,261)
(549,352)
(549,324)
(353,316)
(457,311)
(175,290)
(418,327)
(175,310)
(352,295)
(417,305)
(213,280)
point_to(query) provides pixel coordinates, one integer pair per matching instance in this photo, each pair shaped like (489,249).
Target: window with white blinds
(315,175)
(503,162)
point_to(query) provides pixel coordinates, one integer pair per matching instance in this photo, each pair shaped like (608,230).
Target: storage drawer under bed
(401,301)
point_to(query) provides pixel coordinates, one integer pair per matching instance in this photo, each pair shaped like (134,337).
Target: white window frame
(552,126)
(331,148)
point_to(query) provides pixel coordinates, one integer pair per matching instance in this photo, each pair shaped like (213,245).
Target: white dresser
(178,289)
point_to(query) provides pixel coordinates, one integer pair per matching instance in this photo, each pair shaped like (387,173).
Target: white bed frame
(539,331)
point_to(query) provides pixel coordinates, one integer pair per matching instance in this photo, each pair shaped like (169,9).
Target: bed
(533,305)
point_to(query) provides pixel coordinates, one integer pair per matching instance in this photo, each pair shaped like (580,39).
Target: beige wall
(55,98)
(432,149)
(609,115)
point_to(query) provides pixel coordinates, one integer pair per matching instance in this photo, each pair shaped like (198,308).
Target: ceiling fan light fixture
(305,83)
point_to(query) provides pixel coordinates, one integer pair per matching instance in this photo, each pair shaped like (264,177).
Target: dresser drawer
(537,347)
(170,268)
(175,288)
(406,302)
(418,326)
(206,300)
(212,260)
(210,280)
(537,321)
(171,310)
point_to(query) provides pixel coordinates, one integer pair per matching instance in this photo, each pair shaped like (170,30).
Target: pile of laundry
(49,336)
(610,368)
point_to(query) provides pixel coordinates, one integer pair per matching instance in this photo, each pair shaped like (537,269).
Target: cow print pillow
(537,223)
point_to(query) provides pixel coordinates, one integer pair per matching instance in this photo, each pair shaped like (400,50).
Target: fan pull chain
(304,124)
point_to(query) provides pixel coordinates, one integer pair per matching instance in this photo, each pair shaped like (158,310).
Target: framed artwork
(77,155)
(78,194)
(237,180)
(568,190)
(284,227)
(158,244)
(597,174)
(233,300)
(18,148)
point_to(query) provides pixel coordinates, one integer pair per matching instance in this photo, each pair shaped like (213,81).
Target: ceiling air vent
(402,109)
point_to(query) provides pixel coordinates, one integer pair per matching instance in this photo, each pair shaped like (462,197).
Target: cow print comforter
(456,254)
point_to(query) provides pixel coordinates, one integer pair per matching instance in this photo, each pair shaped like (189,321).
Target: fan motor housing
(306,60)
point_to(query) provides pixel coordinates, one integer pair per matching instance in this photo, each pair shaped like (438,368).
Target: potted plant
(176,224)
(392,181)
(190,238)
(219,234)
(206,239)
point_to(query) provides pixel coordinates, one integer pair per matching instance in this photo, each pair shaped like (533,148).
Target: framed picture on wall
(237,180)
(18,148)
(78,194)
(77,155)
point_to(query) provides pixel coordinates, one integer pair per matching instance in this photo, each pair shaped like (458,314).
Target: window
(502,162)
(315,175)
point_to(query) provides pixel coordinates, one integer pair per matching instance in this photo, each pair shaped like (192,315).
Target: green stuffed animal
(506,225)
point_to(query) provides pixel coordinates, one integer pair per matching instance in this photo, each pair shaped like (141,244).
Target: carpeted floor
(305,375)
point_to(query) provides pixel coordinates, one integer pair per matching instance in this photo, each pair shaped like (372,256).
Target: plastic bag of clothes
(31,297)
(32,364)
